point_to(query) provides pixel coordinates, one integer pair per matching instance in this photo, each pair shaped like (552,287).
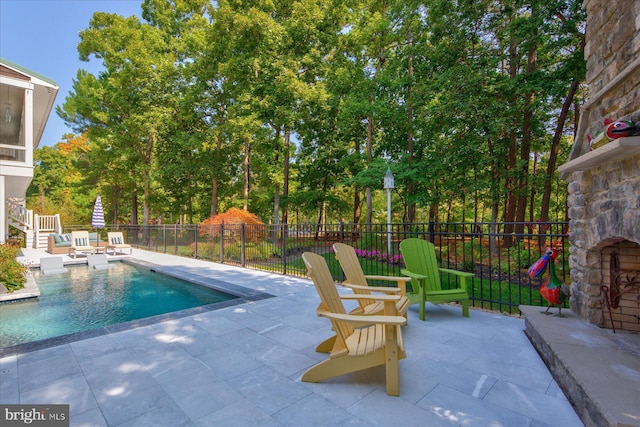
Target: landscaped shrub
(232,221)
(522,258)
(207,250)
(472,251)
(12,273)
(502,266)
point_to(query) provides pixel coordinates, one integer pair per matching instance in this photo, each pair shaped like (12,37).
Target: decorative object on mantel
(553,290)
(616,149)
(613,130)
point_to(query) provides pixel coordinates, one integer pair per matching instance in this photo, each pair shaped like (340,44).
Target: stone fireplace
(593,352)
(604,183)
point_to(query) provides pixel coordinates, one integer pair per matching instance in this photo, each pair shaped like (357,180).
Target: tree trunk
(553,152)
(285,185)
(512,156)
(134,207)
(116,204)
(368,194)
(357,207)
(214,182)
(189,198)
(246,175)
(527,125)
(411,205)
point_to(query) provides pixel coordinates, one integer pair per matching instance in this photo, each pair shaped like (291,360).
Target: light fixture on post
(389,185)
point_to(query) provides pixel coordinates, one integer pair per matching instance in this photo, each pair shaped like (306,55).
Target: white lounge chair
(99,262)
(52,265)
(115,241)
(80,243)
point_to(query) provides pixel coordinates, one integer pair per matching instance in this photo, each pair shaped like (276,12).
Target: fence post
(432,231)
(284,248)
(222,242)
(243,245)
(195,239)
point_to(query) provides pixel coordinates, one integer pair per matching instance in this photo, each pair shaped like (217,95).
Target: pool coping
(242,293)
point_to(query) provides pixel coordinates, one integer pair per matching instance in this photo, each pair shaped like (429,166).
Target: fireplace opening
(620,289)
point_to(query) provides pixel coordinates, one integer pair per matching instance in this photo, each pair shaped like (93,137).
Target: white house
(26,100)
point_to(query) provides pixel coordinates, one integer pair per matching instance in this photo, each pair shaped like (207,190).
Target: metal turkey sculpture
(553,290)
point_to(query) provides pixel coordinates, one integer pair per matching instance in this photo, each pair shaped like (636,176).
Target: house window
(12,145)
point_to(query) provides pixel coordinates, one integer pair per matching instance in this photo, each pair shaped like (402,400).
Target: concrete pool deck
(241,365)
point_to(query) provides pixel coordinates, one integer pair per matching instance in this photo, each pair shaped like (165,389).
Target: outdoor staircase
(36,228)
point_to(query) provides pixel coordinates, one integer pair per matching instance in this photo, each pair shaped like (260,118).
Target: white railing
(13,153)
(20,214)
(49,223)
(45,224)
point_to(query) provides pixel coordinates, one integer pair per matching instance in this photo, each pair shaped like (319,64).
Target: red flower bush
(232,222)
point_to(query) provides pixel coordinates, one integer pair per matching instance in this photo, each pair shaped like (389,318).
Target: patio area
(242,365)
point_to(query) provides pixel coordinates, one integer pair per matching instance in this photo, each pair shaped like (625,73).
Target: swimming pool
(85,299)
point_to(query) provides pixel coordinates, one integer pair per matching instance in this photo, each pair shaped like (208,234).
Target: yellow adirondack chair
(422,267)
(358,282)
(361,342)
(80,244)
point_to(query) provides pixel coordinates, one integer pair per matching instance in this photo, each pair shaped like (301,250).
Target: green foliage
(206,250)
(12,272)
(522,258)
(502,265)
(201,108)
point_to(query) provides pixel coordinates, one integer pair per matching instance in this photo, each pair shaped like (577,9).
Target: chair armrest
(365,320)
(402,281)
(413,275)
(462,274)
(372,288)
(457,273)
(393,298)
(387,278)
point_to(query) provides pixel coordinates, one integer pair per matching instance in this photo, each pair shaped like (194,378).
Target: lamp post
(388,185)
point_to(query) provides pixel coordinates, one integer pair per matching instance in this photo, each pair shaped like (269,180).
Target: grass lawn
(487,294)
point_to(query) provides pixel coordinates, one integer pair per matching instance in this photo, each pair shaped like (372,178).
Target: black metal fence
(498,253)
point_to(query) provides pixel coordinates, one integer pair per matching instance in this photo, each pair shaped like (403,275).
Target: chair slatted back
(319,273)
(419,257)
(348,260)
(115,238)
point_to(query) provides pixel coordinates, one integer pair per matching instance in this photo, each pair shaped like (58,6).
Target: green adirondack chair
(422,267)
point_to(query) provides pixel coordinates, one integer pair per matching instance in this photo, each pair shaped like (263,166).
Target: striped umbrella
(97,219)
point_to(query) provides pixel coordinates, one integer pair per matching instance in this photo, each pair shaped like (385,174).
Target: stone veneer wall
(604,201)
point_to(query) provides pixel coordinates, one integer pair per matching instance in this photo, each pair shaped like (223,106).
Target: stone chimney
(604,183)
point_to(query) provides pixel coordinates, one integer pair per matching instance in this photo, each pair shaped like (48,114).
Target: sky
(43,36)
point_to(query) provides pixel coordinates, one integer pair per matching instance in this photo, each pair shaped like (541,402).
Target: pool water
(84,299)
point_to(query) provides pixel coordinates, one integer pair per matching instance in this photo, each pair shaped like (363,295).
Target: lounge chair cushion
(82,241)
(62,240)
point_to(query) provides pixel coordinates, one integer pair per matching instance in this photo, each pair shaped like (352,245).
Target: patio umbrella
(97,219)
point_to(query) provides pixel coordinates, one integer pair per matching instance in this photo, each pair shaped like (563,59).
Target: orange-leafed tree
(232,222)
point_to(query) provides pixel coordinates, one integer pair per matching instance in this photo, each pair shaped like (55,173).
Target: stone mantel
(616,149)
